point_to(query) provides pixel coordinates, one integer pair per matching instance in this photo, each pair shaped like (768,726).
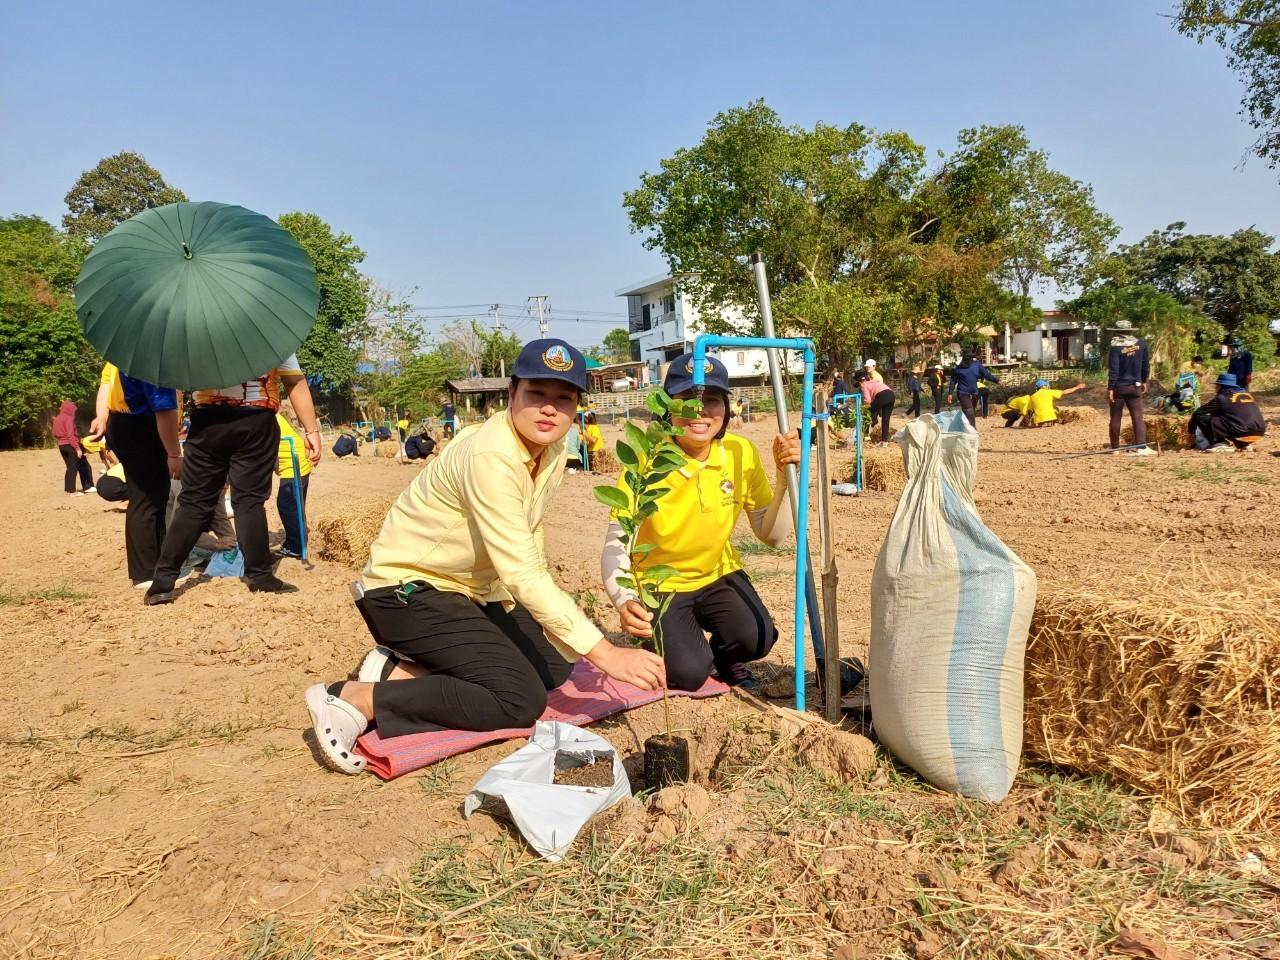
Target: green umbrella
(197,295)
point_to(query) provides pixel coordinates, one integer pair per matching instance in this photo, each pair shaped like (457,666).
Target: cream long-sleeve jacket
(471,523)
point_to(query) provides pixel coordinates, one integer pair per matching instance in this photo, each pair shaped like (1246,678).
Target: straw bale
(1171,686)
(1168,431)
(345,537)
(603,461)
(1077,415)
(882,469)
(386,449)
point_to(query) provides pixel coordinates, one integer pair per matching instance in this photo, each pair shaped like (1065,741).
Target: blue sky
(479,151)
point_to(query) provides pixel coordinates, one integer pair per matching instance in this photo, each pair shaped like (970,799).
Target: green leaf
(647,597)
(644,548)
(657,402)
(655,433)
(633,480)
(626,455)
(636,437)
(612,497)
(660,572)
(627,583)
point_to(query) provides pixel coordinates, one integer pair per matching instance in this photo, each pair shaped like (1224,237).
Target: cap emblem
(557,358)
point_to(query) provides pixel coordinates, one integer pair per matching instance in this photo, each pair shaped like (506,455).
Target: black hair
(1197,359)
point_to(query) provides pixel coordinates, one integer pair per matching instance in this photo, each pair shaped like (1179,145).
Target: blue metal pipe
(700,346)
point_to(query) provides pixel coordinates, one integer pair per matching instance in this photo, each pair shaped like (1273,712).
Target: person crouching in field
(1229,420)
(472,630)
(1018,408)
(1043,412)
(722,477)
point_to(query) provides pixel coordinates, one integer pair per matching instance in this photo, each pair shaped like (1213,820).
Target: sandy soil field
(158,798)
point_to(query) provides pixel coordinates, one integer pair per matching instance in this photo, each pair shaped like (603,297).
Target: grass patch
(752,547)
(53,593)
(1216,473)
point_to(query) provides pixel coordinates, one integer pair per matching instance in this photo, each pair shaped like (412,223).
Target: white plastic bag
(550,815)
(950,609)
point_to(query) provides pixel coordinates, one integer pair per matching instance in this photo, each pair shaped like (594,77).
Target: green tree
(1228,278)
(1173,330)
(1249,30)
(332,347)
(44,357)
(119,187)
(419,385)
(617,345)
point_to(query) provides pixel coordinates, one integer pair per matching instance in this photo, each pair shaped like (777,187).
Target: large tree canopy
(1249,30)
(331,349)
(860,239)
(44,358)
(119,187)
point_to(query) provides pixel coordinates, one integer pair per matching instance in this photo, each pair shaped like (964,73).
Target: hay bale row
(1169,432)
(386,449)
(1169,684)
(345,537)
(1077,415)
(882,469)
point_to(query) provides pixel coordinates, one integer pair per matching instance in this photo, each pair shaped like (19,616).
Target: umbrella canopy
(197,295)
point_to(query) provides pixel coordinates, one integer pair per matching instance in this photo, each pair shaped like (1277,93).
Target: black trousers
(224,443)
(133,438)
(984,403)
(733,614)
(937,401)
(489,669)
(1129,396)
(1011,417)
(969,406)
(882,407)
(75,463)
(113,490)
(914,409)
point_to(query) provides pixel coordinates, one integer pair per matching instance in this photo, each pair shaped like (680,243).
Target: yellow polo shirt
(693,528)
(1020,404)
(471,523)
(284,462)
(1042,410)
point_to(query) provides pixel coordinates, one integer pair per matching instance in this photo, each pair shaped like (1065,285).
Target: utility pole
(497,327)
(539,302)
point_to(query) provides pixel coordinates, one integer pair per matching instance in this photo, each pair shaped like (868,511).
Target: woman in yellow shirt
(472,629)
(594,438)
(723,476)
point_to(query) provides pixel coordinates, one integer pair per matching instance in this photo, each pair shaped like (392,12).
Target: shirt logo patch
(726,486)
(557,358)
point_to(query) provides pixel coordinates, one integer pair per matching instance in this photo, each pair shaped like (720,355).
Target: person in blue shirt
(1240,365)
(964,384)
(913,388)
(1128,370)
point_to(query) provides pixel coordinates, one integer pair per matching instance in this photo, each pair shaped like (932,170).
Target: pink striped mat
(588,695)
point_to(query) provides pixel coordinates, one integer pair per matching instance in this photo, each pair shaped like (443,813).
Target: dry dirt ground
(157,796)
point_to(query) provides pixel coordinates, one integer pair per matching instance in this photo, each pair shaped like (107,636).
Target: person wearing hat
(1230,420)
(1240,365)
(936,380)
(1043,413)
(722,477)
(1128,370)
(878,399)
(964,384)
(872,372)
(837,385)
(471,628)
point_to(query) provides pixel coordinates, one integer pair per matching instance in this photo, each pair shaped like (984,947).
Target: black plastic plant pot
(666,761)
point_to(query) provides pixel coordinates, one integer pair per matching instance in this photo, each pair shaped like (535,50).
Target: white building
(1059,338)
(663,322)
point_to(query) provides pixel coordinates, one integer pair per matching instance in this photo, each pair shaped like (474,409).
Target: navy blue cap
(680,375)
(552,359)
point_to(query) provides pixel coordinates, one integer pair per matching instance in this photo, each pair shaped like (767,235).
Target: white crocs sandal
(374,663)
(337,724)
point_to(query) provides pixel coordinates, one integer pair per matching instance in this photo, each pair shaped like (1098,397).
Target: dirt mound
(845,756)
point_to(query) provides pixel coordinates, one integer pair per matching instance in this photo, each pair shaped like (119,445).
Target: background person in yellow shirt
(1042,411)
(594,438)
(1018,408)
(286,499)
(472,629)
(722,477)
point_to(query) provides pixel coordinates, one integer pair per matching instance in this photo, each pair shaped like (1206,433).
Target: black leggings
(134,440)
(914,409)
(882,407)
(75,463)
(489,669)
(1128,396)
(732,612)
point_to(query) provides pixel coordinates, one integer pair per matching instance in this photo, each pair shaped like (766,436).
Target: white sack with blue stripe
(950,610)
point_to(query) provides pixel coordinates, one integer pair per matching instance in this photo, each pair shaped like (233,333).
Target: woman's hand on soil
(786,449)
(635,619)
(631,665)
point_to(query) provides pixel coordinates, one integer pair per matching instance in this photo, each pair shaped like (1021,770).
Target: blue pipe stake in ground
(857,433)
(700,346)
(583,454)
(297,496)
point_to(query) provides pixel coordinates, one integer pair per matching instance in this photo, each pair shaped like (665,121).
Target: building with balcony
(664,322)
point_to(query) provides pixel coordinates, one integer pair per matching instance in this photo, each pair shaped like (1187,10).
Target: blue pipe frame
(857,433)
(297,496)
(807,416)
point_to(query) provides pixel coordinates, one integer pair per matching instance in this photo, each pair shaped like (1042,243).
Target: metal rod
(831,692)
(1098,453)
